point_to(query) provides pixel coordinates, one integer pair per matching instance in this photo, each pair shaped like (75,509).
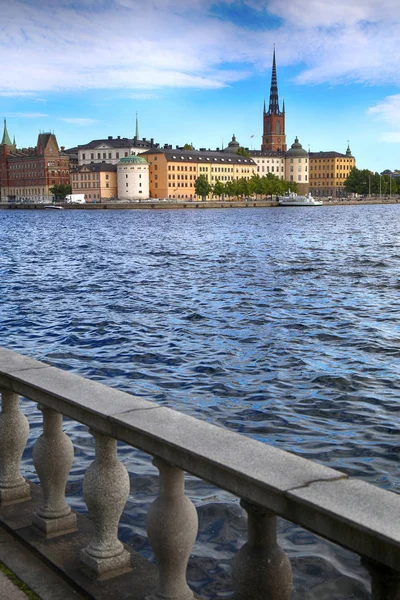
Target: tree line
(363,182)
(267,185)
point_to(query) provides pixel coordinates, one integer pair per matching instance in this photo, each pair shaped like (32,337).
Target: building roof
(119,142)
(133,159)
(267,153)
(94,168)
(200,156)
(6,138)
(329,154)
(297,150)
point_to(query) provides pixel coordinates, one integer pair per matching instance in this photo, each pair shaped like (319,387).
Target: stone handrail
(269,482)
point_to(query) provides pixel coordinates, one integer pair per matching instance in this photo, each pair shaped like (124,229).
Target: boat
(292,199)
(53,207)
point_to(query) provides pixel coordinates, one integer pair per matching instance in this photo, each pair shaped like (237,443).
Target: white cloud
(78,120)
(145,46)
(388,111)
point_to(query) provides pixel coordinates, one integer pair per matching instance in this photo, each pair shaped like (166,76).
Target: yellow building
(97,181)
(329,171)
(173,172)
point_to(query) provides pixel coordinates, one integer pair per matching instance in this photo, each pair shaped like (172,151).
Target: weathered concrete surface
(9,591)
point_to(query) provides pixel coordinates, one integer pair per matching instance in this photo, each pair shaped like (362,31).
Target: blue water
(279,323)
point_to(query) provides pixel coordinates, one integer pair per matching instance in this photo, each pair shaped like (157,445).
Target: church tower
(274,136)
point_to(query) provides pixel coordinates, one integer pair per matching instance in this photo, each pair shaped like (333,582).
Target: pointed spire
(6,138)
(137,128)
(265,110)
(348,151)
(14,142)
(283,107)
(273,96)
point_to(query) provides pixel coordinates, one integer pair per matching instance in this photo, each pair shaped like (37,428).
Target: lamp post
(380,186)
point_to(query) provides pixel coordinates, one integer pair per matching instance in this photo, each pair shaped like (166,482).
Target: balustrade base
(104,568)
(62,553)
(55,527)
(159,596)
(15,495)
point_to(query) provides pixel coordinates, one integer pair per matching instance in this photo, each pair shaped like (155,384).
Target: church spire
(273,96)
(137,128)
(6,138)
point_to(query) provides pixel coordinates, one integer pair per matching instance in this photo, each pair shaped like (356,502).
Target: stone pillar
(105,490)
(261,569)
(14,431)
(385,583)
(172,525)
(53,454)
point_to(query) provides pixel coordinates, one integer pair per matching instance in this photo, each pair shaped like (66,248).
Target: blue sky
(199,70)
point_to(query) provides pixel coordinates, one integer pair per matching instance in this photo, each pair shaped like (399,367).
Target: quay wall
(187,205)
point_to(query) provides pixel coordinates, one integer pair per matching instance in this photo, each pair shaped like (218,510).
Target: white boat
(292,199)
(54,207)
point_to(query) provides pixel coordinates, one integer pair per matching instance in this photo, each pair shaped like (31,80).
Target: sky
(198,71)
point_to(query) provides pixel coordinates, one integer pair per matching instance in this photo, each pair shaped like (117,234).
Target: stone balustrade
(269,482)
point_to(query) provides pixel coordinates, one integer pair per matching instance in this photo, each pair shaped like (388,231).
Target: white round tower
(133,178)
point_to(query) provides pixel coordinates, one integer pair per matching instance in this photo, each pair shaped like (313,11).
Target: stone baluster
(261,569)
(385,583)
(14,431)
(53,454)
(172,525)
(106,488)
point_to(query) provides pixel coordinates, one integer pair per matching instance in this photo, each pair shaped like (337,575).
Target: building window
(83,156)
(107,177)
(117,155)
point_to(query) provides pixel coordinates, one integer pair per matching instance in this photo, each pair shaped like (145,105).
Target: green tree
(231,188)
(255,184)
(359,181)
(243,152)
(202,187)
(219,188)
(60,190)
(188,147)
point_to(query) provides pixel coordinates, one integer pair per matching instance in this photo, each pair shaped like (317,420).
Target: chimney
(110,137)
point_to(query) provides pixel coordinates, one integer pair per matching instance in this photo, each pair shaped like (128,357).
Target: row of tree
(365,183)
(268,185)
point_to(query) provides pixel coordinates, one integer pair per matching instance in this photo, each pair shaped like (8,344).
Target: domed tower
(133,178)
(274,136)
(297,166)
(233,146)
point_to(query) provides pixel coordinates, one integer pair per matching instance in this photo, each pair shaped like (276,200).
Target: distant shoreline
(185,205)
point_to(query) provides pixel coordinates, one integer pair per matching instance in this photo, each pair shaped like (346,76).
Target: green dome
(132,160)
(297,150)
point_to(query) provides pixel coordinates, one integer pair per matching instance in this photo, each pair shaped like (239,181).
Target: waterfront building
(97,181)
(111,150)
(133,178)
(274,135)
(27,174)
(269,162)
(173,172)
(297,167)
(329,171)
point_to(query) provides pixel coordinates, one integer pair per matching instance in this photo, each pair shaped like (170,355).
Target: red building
(28,174)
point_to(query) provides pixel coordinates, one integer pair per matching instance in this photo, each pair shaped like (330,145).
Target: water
(281,324)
